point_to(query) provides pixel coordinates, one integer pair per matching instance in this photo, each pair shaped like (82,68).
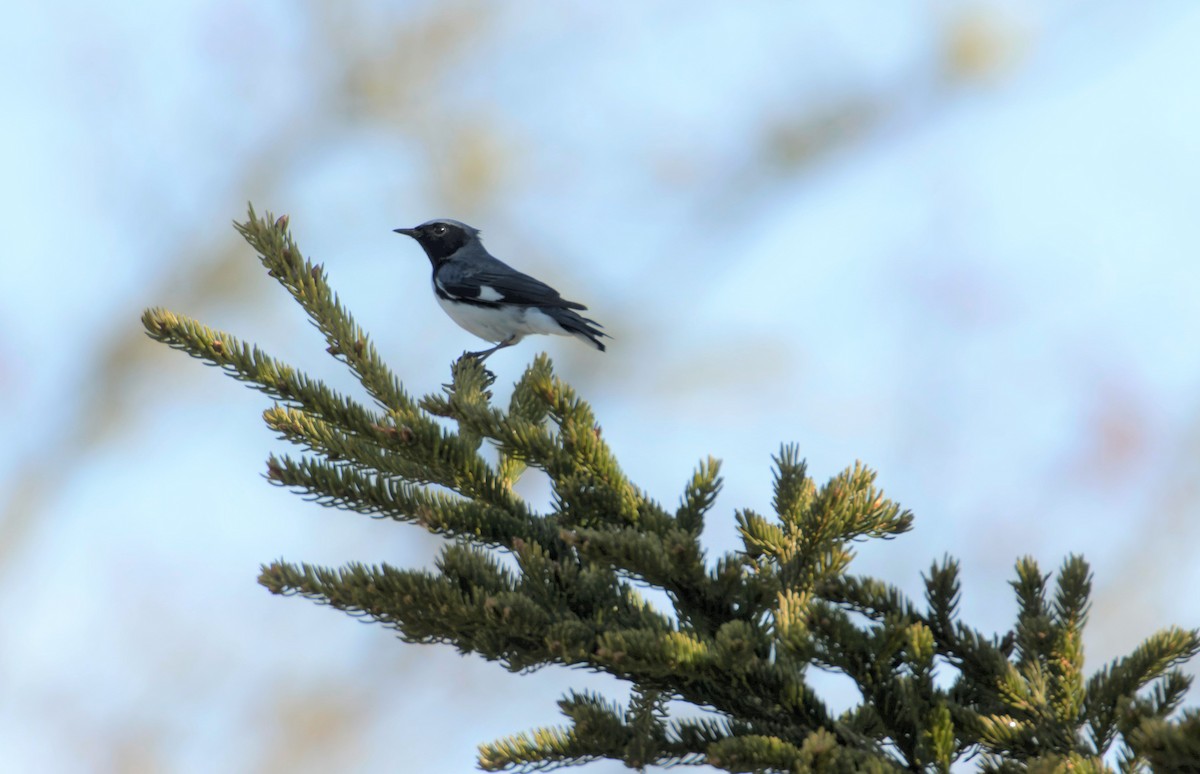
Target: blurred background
(954,240)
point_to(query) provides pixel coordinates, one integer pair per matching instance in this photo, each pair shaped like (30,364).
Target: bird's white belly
(501,323)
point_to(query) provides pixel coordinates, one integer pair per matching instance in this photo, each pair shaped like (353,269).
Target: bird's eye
(439,230)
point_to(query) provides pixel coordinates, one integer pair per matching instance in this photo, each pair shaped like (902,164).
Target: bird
(489,298)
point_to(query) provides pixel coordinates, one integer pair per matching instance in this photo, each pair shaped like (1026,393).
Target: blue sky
(956,242)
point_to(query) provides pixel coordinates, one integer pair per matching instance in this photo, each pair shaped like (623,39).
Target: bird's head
(441,238)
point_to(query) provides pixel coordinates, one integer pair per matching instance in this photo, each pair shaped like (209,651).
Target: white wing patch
(486,292)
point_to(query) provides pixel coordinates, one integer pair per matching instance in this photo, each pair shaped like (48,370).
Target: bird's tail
(580,327)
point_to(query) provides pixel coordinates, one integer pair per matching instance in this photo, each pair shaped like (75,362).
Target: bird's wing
(496,282)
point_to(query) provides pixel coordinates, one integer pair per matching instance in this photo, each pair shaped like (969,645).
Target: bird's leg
(483,354)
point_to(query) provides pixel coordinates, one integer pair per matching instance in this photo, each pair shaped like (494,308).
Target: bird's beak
(412,232)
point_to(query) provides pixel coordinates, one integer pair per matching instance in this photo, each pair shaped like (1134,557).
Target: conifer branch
(739,635)
(306,282)
(699,497)
(261,371)
(1167,746)
(341,486)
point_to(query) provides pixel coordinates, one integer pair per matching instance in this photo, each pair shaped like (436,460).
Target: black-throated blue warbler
(491,299)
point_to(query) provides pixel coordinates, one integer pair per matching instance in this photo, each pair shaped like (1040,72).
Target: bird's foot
(484,354)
